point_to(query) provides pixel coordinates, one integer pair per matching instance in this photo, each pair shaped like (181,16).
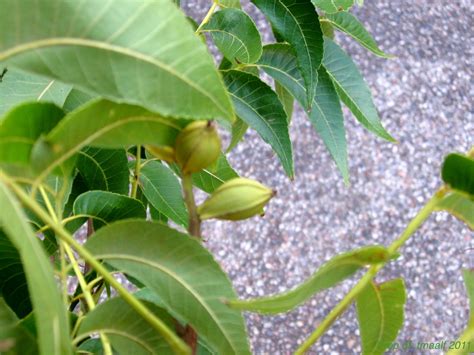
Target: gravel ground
(425,100)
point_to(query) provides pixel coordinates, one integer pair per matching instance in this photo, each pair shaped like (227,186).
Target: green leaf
(352,89)
(211,178)
(51,318)
(459,206)
(181,272)
(18,87)
(297,23)
(467,337)
(22,126)
(349,24)
(380,314)
(279,61)
(14,338)
(127,331)
(125,53)
(13,287)
(163,191)
(229,3)
(258,106)
(104,169)
(239,128)
(332,6)
(458,173)
(330,274)
(106,207)
(103,124)
(236,36)
(75,99)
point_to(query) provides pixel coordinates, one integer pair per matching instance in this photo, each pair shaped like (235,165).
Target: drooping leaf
(106,207)
(460,206)
(349,24)
(102,124)
(258,106)
(297,23)
(279,61)
(352,89)
(332,6)
(163,191)
(17,87)
(236,36)
(331,273)
(13,287)
(75,99)
(380,309)
(127,331)
(125,53)
(22,126)
(190,283)
(458,173)
(51,318)
(239,128)
(14,338)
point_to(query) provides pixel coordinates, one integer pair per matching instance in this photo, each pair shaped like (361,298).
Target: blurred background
(424,97)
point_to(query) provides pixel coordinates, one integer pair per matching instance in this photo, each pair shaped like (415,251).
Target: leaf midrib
(58,41)
(176,278)
(66,155)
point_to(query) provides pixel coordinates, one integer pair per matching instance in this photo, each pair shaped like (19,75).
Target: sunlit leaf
(102,124)
(181,272)
(380,309)
(460,206)
(128,332)
(51,318)
(125,53)
(332,6)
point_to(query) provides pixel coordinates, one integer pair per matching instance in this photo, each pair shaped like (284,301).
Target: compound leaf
(258,105)
(297,22)
(352,89)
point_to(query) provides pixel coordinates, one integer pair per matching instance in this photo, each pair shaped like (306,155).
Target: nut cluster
(197,147)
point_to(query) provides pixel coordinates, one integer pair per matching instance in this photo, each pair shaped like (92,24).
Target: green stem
(136,174)
(414,224)
(170,337)
(207,17)
(87,294)
(194,227)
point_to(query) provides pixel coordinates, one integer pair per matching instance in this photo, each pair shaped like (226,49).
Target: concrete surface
(425,100)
